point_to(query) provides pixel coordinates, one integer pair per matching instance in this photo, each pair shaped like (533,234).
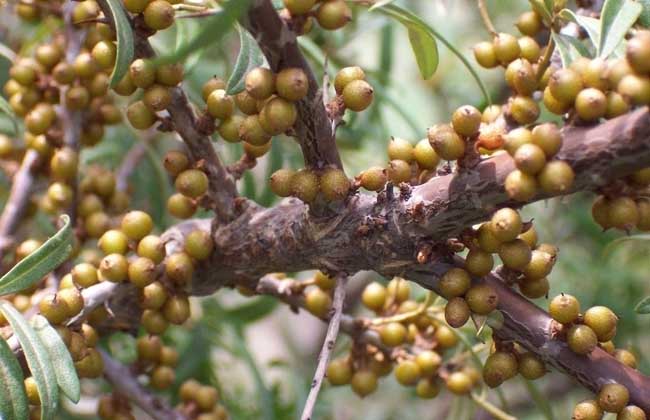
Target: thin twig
(328,346)
(485,15)
(546,60)
(126,383)
(495,411)
(244,164)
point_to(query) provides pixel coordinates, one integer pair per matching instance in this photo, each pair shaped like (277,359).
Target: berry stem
(546,59)
(495,411)
(485,16)
(407,315)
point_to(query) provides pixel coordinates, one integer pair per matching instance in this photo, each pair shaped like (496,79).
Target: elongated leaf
(421,36)
(40,262)
(643,307)
(64,370)
(7,52)
(5,108)
(570,48)
(616,18)
(125,48)
(212,29)
(13,401)
(379,4)
(249,57)
(589,24)
(185,28)
(37,358)
(644,19)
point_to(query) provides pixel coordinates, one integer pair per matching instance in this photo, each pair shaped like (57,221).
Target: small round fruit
(176,309)
(407,372)
(581,339)
(613,397)
(318,302)
(486,239)
(373,178)
(114,242)
(159,15)
(280,182)
(278,116)
(229,128)
(631,412)
(299,7)
(485,55)
(136,6)
(305,185)
(635,89)
(454,283)
(72,300)
(400,149)
(347,75)
(482,299)
(398,171)
(142,272)
(333,14)
(393,334)
(334,184)
(142,73)
(114,267)
(565,84)
(515,254)
(602,320)
(189,390)
(520,186)
(587,410)
(260,83)
(457,312)
(179,268)
(428,361)
(358,95)
(252,132)
(246,103)
(339,372)
(192,183)
(616,105)
(136,224)
(556,178)
(564,308)
(530,159)
(506,48)
(292,84)
(623,213)
(531,367)
(637,52)
(374,296)
(425,156)
(176,162)
(459,383)
(499,367)
(548,137)
(363,382)
(55,310)
(198,244)
(157,97)
(170,74)
(446,142)
(162,377)
(529,23)
(478,262)
(210,86)
(506,224)
(84,275)
(153,296)
(591,104)
(220,105)
(466,120)
(427,388)
(140,116)
(181,206)
(523,109)
(626,357)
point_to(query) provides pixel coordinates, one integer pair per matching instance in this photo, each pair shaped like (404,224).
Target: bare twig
(244,164)
(328,346)
(126,383)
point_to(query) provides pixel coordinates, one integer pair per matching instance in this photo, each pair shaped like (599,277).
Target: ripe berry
(72,300)
(602,321)
(529,23)
(622,213)
(499,367)
(637,52)
(554,105)
(548,137)
(631,412)
(220,105)
(485,55)
(148,348)
(540,265)
(521,76)
(635,89)
(333,14)
(140,116)
(339,372)
(280,182)
(181,206)
(142,73)
(466,120)
(292,83)
(136,224)
(523,109)
(515,254)
(179,268)
(457,312)
(486,239)
(210,86)
(170,74)
(277,116)
(446,142)
(84,275)
(125,87)
(347,75)
(581,339)
(530,367)
(479,262)
(616,105)
(104,53)
(591,104)
(399,289)
(177,309)
(565,84)
(162,377)
(142,272)
(114,242)
(251,131)
(374,296)
(357,95)
(425,156)
(587,410)
(564,308)
(482,299)
(530,159)
(530,49)
(198,244)
(373,178)
(114,267)
(506,224)
(318,302)
(400,149)
(556,178)
(520,186)
(246,103)
(304,185)
(393,334)
(334,184)
(626,357)
(136,6)
(613,397)
(454,283)
(427,388)
(176,162)
(229,128)
(407,372)
(428,362)
(506,48)
(158,15)
(55,310)
(153,296)
(64,163)
(600,212)
(363,382)
(260,83)
(459,383)
(192,183)
(157,97)
(188,390)
(398,171)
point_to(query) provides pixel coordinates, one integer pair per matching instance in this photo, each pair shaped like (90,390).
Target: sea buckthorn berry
(142,272)
(363,382)
(554,105)
(96,224)
(153,296)
(148,348)
(179,268)
(114,267)
(31,390)
(427,388)
(587,410)
(485,55)
(192,183)
(176,162)
(548,137)
(457,312)
(162,377)
(616,105)
(425,156)
(177,309)
(374,296)
(324,281)
(454,283)
(292,84)
(529,23)
(556,178)
(246,103)
(506,48)
(347,75)
(643,207)
(530,366)
(398,171)
(140,116)
(530,159)
(104,53)
(622,213)
(400,149)
(399,289)
(334,184)
(530,49)
(428,361)
(446,142)
(357,95)
(210,86)
(499,367)
(260,83)
(529,236)
(373,178)
(506,224)
(540,265)
(170,74)
(565,84)
(280,182)
(220,105)
(523,109)
(278,116)
(407,372)
(64,163)
(445,337)
(393,334)
(154,322)
(113,242)
(54,309)
(136,6)
(486,239)
(466,120)
(229,128)
(631,412)
(521,76)
(482,299)
(600,212)
(333,14)
(305,185)
(84,275)
(157,97)
(514,139)
(198,244)
(637,52)
(581,339)
(159,15)
(181,206)
(602,320)
(635,88)
(142,73)
(591,104)
(339,372)
(626,357)
(299,7)
(136,224)
(318,302)
(459,383)
(613,397)
(479,262)
(564,308)
(252,132)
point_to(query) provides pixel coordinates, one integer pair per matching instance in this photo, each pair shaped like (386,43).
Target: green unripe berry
(479,263)
(363,382)
(318,302)
(305,185)
(499,367)
(251,131)
(466,120)
(564,308)
(631,412)
(334,184)
(613,397)
(292,84)
(55,310)
(459,383)
(142,272)
(23,74)
(176,309)
(547,136)
(176,162)
(485,55)
(114,242)
(454,283)
(220,105)
(140,116)
(181,206)
(374,296)
(339,372)
(192,183)
(157,97)
(198,244)
(142,73)
(333,14)
(506,48)
(482,299)
(357,95)
(506,224)
(278,115)
(373,178)
(159,15)
(591,104)
(393,334)
(531,367)
(136,224)
(260,83)
(602,321)
(446,142)
(347,75)
(581,339)
(587,410)
(556,178)
(565,84)
(520,186)
(457,312)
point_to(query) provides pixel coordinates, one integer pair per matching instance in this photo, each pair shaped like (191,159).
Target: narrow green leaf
(13,401)
(589,24)
(5,108)
(37,358)
(64,370)
(211,31)
(644,19)
(570,48)
(125,47)
(379,4)
(249,57)
(184,30)
(643,307)
(40,262)
(616,18)
(7,52)
(421,36)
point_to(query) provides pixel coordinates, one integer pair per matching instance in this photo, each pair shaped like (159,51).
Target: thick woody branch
(313,128)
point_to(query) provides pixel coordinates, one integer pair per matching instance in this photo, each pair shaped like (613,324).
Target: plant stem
(493,410)
(482,8)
